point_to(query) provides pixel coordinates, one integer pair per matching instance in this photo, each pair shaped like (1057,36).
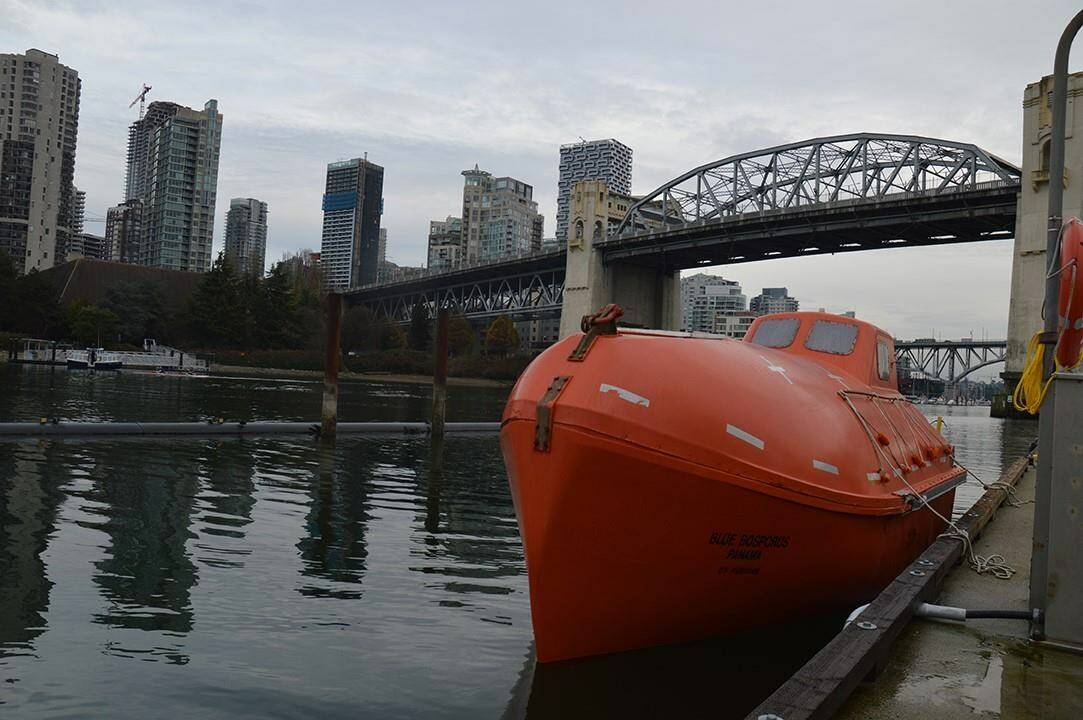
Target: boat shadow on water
(723,677)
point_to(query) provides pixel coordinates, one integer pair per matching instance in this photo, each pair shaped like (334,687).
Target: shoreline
(262,372)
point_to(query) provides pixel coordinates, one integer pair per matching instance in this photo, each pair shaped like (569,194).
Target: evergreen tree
(36,310)
(140,311)
(8,279)
(276,322)
(217,314)
(419,335)
(501,337)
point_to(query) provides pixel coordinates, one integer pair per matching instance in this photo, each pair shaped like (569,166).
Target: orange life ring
(1070,305)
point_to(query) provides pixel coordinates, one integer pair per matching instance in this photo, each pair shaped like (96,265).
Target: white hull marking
(777,368)
(747,437)
(626,395)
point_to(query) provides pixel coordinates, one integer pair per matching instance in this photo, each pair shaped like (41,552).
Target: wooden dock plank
(824,683)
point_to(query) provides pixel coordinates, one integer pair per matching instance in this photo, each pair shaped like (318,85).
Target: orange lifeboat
(673,486)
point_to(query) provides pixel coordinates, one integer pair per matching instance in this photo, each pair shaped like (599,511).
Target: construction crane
(141,98)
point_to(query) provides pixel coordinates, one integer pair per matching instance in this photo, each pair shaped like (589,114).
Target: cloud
(428,89)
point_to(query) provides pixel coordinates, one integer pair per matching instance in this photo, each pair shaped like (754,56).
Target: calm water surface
(285,578)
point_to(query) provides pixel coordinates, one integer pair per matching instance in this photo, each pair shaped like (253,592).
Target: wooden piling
(331,363)
(439,376)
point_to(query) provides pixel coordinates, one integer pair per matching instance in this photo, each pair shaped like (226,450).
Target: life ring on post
(1070,303)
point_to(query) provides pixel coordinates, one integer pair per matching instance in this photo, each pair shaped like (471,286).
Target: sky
(428,89)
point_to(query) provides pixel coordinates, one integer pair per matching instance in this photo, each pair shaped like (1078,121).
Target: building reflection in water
(30,500)
(333,550)
(146,503)
(471,538)
(226,502)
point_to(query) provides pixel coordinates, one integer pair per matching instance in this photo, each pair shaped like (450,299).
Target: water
(282,578)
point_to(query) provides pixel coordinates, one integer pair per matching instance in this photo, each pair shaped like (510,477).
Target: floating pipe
(947,612)
(67,429)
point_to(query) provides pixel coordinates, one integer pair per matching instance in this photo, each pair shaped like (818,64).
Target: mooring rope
(994,564)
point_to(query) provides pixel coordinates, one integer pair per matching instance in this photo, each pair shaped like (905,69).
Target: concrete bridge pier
(1030,261)
(650,296)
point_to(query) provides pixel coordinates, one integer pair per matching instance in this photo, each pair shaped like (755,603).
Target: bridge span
(949,360)
(845,193)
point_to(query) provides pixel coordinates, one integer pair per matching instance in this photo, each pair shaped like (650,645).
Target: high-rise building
(704,296)
(39,121)
(500,218)
(124,232)
(173,168)
(445,244)
(353,202)
(608,160)
(733,323)
(773,300)
(382,255)
(87,245)
(78,210)
(246,235)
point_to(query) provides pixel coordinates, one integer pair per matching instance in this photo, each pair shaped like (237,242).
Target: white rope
(1010,499)
(994,564)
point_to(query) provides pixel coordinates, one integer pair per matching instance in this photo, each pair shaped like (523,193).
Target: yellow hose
(1031,391)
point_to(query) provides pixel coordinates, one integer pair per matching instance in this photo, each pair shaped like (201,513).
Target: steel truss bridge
(845,193)
(528,288)
(947,360)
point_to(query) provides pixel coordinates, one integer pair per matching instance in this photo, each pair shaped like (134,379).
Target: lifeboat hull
(674,488)
(627,548)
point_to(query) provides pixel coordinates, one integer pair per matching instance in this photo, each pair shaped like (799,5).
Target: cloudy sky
(430,88)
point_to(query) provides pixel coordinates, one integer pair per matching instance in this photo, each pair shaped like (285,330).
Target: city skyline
(658,100)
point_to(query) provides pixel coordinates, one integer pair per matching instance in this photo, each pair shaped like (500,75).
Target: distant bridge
(845,193)
(948,360)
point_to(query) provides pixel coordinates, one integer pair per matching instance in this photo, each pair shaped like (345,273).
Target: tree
(37,311)
(217,314)
(419,335)
(275,318)
(90,324)
(501,337)
(392,336)
(8,290)
(361,330)
(460,335)
(140,311)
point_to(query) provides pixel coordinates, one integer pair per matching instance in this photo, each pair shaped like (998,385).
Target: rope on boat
(1011,499)
(995,563)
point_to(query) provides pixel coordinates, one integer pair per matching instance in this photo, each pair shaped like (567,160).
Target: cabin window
(776,333)
(832,337)
(883,360)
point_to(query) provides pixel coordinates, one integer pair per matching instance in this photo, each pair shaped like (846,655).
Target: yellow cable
(1030,392)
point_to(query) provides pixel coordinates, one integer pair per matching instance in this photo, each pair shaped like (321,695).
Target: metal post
(439,377)
(331,364)
(1039,562)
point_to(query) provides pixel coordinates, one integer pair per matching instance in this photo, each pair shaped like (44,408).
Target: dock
(935,669)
